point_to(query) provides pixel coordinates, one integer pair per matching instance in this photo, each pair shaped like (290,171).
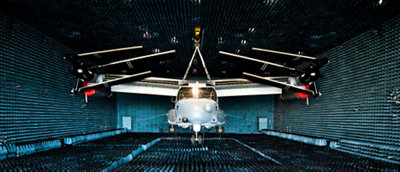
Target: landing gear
(197,139)
(193,140)
(172,129)
(201,140)
(220,130)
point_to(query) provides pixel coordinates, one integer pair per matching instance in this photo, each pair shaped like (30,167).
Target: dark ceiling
(309,26)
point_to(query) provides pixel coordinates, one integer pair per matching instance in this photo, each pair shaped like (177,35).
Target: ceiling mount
(196,40)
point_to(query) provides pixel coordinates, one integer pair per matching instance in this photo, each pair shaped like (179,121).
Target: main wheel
(171,129)
(220,130)
(193,139)
(201,140)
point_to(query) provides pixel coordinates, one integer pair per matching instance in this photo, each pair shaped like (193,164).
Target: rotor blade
(75,90)
(283,54)
(112,82)
(264,64)
(313,87)
(110,51)
(129,61)
(264,80)
(85,60)
(244,81)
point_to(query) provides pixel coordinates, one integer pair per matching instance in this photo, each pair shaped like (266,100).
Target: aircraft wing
(149,86)
(244,87)
(169,87)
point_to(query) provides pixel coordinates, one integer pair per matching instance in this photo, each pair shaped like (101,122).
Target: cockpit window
(197,92)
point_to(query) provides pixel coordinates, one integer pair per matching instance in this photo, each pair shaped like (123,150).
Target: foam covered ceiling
(308,26)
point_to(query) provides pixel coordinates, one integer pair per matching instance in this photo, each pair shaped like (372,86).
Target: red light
(89,92)
(303,95)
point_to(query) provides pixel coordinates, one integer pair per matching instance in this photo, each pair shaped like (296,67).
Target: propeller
(264,64)
(109,83)
(87,73)
(129,62)
(283,85)
(304,79)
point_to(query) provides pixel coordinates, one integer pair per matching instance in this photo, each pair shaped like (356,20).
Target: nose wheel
(220,130)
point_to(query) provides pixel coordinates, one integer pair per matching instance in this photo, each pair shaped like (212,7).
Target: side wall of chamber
(359,89)
(35,98)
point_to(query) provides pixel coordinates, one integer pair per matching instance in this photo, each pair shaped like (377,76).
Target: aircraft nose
(207,108)
(199,115)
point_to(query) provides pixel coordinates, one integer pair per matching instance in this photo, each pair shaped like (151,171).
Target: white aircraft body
(196,107)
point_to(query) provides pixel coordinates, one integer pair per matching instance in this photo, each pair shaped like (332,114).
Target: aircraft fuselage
(196,108)
(196,113)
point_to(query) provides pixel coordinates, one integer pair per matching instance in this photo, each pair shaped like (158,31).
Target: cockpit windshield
(197,92)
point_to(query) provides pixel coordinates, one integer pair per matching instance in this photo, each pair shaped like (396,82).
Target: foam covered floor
(177,153)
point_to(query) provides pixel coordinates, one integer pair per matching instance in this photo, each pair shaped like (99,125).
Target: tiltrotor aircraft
(196,103)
